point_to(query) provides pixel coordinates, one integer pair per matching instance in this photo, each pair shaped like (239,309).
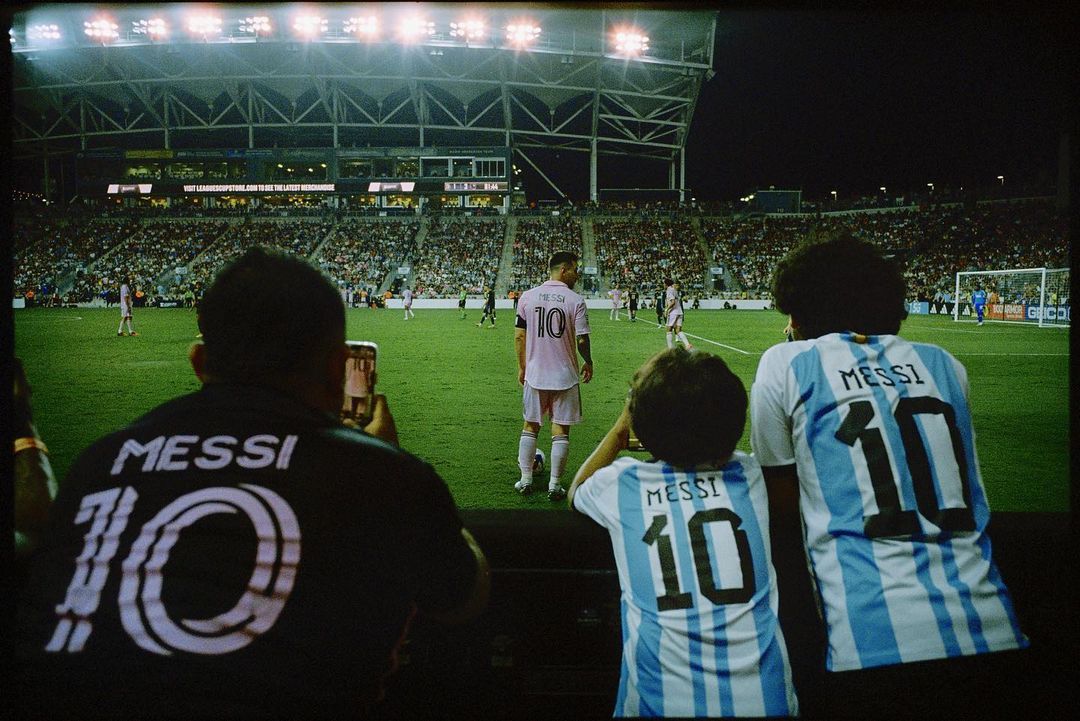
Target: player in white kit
(869,438)
(673,311)
(406,297)
(690,532)
(125,309)
(552,327)
(616,302)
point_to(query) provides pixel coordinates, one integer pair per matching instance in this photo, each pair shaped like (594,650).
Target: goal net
(1029,295)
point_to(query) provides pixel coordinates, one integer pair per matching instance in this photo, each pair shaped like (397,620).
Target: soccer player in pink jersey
(551,321)
(616,302)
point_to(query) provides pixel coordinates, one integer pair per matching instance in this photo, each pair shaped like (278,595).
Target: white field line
(707,340)
(1014,355)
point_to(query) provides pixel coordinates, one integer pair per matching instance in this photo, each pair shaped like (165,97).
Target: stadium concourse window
(143,171)
(484,201)
(356,169)
(444,201)
(435,167)
(382,168)
(463,167)
(490,168)
(407,168)
(185,171)
(401,201)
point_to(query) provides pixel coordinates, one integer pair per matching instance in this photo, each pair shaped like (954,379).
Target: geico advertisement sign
(1051,312)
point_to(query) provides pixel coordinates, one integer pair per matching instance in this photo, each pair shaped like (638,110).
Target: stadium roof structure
(88,76)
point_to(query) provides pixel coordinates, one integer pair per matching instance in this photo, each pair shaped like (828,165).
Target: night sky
(852,101)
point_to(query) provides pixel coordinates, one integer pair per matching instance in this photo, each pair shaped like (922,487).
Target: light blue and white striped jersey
(699,601)
(893,506)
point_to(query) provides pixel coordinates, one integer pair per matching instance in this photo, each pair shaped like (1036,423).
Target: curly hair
(834,282)
(688,408)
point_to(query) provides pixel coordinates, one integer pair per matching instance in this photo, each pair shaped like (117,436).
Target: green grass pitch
(453,390)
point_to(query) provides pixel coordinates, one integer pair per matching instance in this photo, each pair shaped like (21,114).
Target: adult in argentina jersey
(552,327)
(870,438)
(690,531)
(238,552)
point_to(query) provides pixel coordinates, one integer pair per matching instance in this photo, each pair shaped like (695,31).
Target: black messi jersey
(233,553)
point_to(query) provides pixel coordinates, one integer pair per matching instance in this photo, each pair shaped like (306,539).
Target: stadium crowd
(60,251)
(459,253)
(934,243)
(535,240)
(66,251)
(362,252)
(299,237)
(148,255)
(642,252)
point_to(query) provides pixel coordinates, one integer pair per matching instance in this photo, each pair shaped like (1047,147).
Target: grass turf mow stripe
(453,388)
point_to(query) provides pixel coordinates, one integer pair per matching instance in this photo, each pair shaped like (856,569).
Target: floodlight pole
(592,170)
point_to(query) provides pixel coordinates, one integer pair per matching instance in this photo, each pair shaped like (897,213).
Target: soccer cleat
(556,493)
(524,487)
(119,332)
(133,333)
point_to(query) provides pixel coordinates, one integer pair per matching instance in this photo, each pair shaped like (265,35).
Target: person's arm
(519,348)
(585,349)
(34,483)
(615,440)
(477,599)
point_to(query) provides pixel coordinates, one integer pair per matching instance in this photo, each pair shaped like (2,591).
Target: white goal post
(1024,295)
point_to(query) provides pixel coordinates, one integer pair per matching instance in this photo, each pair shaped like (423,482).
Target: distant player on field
(673,312)
(406,297)
(616,302)
(978,299)
(461,302)
(552,327)
(632,304)
(659,307)
(125,309)
(869,438)
(489,307)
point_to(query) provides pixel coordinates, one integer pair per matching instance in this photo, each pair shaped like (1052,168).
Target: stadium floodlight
(415,28)
(521,34)
(309,26)
(43,32)
(1001,179)
(469,29)
(256,25)
(204,24)
(11,36)
(154,28)
(366,27)
(102,29)
(631,42)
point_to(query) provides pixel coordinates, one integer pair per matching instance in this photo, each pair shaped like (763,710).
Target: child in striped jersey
(690,531)
(869,438)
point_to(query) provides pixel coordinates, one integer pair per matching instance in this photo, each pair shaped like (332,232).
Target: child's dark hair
(688,408)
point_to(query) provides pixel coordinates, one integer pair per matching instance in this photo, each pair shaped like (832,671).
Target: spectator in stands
(313,543)
(850,423)
(682,579)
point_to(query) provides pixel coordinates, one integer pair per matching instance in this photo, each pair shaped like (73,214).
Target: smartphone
(360,381)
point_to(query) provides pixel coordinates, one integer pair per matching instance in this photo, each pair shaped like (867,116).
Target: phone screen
(359,381)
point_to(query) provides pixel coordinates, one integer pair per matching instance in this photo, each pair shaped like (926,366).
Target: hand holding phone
(360,379)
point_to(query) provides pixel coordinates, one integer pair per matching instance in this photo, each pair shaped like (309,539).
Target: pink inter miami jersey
(553,316)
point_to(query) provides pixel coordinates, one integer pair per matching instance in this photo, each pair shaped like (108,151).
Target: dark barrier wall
(549,643)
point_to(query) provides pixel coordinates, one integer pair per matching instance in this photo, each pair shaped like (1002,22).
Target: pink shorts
(563,406)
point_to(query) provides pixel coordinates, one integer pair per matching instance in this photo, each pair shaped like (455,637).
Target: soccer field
(453,390)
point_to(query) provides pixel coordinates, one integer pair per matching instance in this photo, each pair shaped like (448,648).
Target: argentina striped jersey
(699,603)
(892,501)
